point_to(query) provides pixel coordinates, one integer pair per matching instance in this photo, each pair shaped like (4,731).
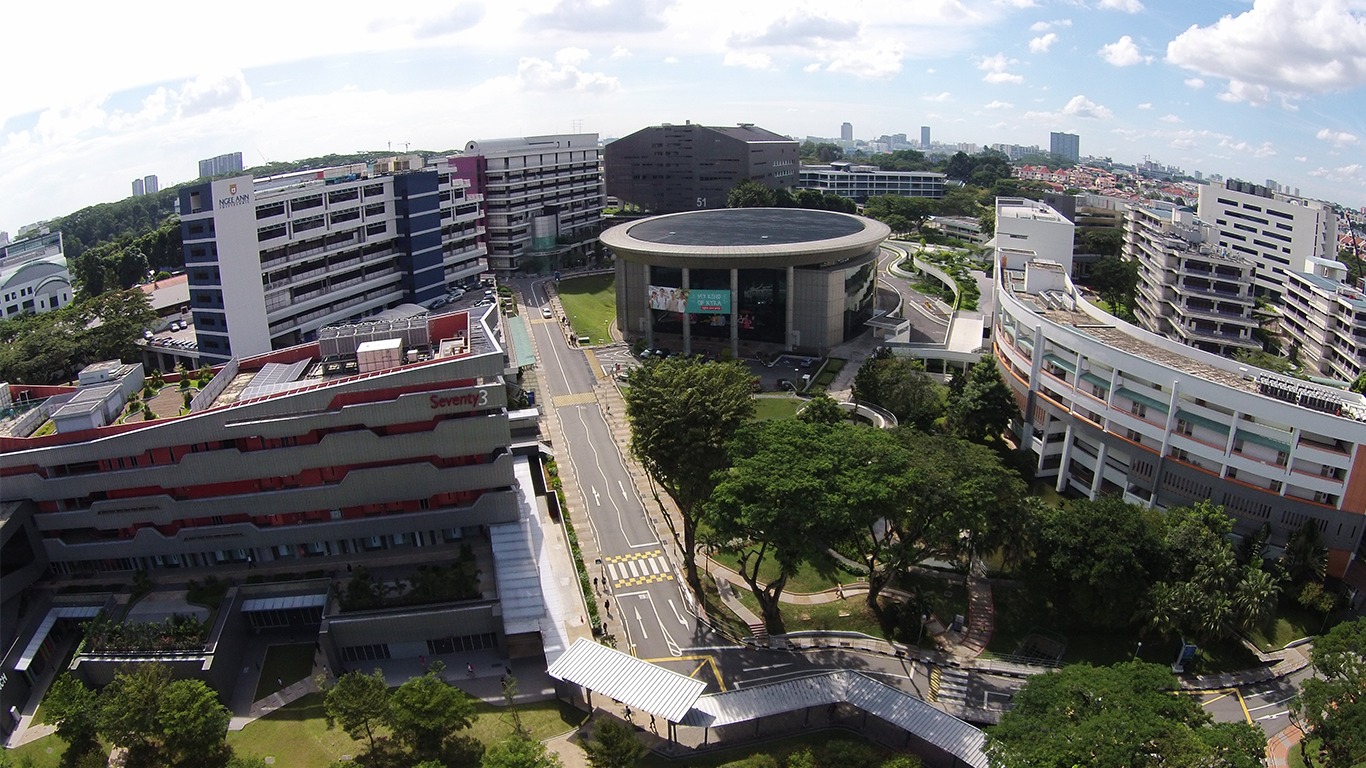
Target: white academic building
(34,276)
(1279,233)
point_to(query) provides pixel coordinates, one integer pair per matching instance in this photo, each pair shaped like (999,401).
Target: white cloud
(1244,148)
(538,75)
(1170,118)
(748,60)
(1146,105)
(1336,138)
(572,57)
(1351,172)
(1127,6)
(995,67)
(1290,47)
(1044,26)
(941,97)
(1080,106)
(1184,143)
(672,60)
(801,29)
(1123,53)
(999,105)
(1042,43)
(620,52)
(1194,82)
(1301,159)
(602,16)
(877,60)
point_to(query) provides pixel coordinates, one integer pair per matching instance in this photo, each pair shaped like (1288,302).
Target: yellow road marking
(706,660)
(1223,692)
(635,581)
(581,398)
(593,364)
(633,556)
(700,665)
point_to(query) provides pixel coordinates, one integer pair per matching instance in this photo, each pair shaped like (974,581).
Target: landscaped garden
(590,303)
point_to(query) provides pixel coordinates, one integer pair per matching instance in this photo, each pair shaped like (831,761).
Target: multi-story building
(138,188)
(34,276)
(673,168)
(1065,145)
(380,442)
(1029,225)
(271,261)
(150,185)
(223,164)
(1190,289)
(1109,408)
(1325,320)
(1279,233)
(924,137)
(860,182)
(846,131)
(544,196)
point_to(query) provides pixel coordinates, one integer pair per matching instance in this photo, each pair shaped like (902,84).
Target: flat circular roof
(746,238)
(746,226)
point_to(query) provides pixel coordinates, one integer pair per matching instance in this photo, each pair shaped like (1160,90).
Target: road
(643,584)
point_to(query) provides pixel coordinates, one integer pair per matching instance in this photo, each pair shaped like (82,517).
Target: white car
(545,312)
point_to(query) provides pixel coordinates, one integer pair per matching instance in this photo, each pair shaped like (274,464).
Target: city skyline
(1265,90)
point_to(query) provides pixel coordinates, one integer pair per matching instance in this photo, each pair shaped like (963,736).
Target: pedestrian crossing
(580,398)
(637,568)
(948,684)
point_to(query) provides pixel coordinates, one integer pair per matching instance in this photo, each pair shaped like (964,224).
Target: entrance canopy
(637,684)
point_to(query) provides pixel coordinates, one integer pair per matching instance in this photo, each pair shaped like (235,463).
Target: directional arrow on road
(596,499)
(642,625)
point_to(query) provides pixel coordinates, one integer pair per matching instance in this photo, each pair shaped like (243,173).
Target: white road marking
(623,490)
(596,498)
(642,626)
(1273,716)
(677,615)
(632,565)
(766,666)
(612,569)
(654,567)
(1272,704)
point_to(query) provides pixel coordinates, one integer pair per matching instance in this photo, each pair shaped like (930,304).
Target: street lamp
(1140,650)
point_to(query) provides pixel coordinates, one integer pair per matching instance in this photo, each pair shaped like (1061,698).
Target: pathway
(1278,747)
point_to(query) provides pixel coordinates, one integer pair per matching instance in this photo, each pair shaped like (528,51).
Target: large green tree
(984,406)
(902,214)
(520,751)
(74,709)
(1123,716)
(1332,705)
(792,490)
(683,412)
(1097,559)
(426,711)
(359,703)
(901,385)
(943,496)
(193,724)
(750,194)
(1116,280)
(613,744)
(48,347)
(129,706)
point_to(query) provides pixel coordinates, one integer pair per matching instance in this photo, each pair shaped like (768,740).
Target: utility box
(379,355)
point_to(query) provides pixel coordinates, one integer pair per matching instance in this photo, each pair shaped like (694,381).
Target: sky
(95,94)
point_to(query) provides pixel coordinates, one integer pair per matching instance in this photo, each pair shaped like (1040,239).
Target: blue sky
(108,92)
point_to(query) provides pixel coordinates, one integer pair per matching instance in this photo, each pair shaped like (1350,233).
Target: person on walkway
(470,669)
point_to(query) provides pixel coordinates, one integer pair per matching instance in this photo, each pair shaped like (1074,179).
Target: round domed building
(796,278)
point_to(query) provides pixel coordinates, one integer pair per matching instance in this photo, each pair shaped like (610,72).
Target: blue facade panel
(417,204)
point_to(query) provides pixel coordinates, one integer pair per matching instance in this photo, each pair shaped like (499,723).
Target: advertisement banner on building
(708,302)
(667,299)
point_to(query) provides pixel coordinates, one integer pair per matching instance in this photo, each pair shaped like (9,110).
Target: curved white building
(1113,409)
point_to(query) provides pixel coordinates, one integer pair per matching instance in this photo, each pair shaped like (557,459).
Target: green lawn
(591,304)
(290,663)
(811,577)
(770,408)
(43,753)
(1292,622)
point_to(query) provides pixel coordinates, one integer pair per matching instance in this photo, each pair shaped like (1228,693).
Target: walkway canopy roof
(637,684)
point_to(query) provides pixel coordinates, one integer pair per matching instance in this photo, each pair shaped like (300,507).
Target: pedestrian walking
(607,606)
(470,669)
(279,682)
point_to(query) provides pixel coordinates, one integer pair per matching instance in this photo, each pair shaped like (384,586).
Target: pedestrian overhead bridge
(678,699)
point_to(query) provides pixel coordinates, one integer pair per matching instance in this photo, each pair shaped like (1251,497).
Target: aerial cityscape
(588,383)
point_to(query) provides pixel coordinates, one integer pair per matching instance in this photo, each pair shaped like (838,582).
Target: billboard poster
(667,299)
(705,302)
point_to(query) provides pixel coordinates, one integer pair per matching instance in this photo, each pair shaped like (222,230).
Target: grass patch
(1291,622)
(829,742)
(1019,613)
(780,407)
(811,577)
(290,663)
(825,616)
(297,735)
(590,302)
(42,753)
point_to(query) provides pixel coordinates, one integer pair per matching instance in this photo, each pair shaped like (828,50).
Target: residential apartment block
(1108,408)
(273,260)
(220,165)
(34,276)
(674,168)
(1065,145)
(1325,320)
(1279,233)
(1029,225)
(544,197)
(1190,288)
(860,182)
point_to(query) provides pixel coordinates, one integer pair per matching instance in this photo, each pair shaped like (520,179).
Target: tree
(1122,716)
(1097,559)
(750,194)
(793,489)
(520,751)
(936,490)
(359,703)
(192,723)
(1116,280)
(822,409)
(1359,386)
(902,214)
(1104,241)
(1332,705)
(683,412)
(984,407)
(901,385)
(129,706)
(613,745)
(74,708)
(425,711)
(1305,558)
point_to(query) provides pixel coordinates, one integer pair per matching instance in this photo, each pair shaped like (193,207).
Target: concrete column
(687,327)
(789,330)
(1066,458)
(735,314)
(1100,470)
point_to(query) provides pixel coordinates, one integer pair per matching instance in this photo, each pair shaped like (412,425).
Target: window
(1184,427)
(1138,409)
